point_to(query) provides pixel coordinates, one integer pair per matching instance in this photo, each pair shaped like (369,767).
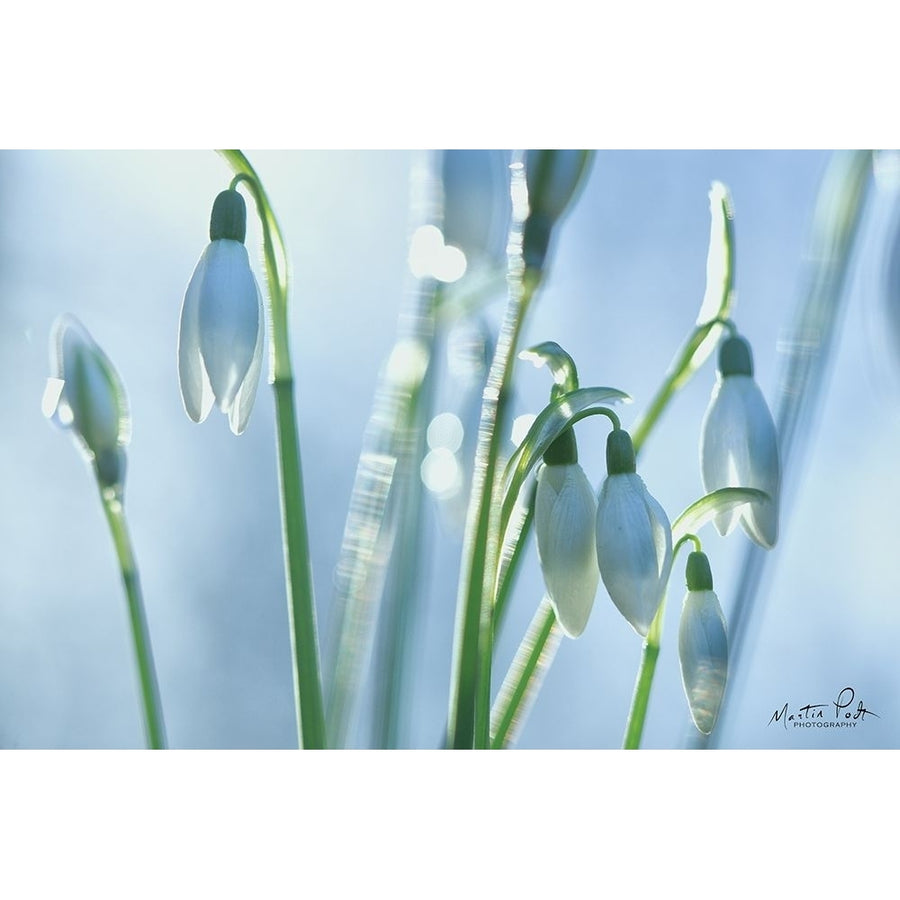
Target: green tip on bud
(229,217)
(563,451)
(619,453)
(735,357)
(698,573)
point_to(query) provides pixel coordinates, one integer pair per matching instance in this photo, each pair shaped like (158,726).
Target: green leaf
(525,676)
(561,365)
(719,296)
(708,507)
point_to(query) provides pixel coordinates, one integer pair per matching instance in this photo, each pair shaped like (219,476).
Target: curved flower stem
(677,376)
(154,727)
(298,569)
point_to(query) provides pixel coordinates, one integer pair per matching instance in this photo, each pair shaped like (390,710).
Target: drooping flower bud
(702,645)
(739,446)
(564,515)
(220,340)
(86,395)
(634,538)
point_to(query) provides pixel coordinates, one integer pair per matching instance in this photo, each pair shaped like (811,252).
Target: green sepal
(563,451)
(735,357)
(228,220)
(697,572)
(619,453)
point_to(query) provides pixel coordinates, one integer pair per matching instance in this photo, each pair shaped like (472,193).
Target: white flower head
(702,645)
(220,341)
(86,395)
(564,514)
(634,538)
(739,445)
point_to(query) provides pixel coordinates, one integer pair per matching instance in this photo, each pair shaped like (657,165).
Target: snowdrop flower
(86,395)
(220,341)
(564,513)
(702,645)
(739,446)
(634,538)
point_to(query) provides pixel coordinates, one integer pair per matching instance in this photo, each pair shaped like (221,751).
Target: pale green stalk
(298,568)
(154,726)
(379,561)
(473,645)
(522,682)
(634,726)
(398,621)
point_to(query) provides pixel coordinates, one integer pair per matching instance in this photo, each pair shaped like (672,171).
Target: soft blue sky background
(113,238)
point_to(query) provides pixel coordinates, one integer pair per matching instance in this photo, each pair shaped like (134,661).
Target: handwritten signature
(813,715)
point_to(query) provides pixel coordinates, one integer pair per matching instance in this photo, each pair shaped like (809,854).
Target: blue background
(113,237)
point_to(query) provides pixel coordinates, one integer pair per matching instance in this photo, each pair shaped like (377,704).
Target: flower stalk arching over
(739,445)
(564,515)
(634,538)
(85,394)
(220,340)
(702,645)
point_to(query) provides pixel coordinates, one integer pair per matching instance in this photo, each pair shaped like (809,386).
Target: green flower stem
(154,727)
(531,661)
(298,569)
(509,564)
(473,645)
(634,727)
(678,375)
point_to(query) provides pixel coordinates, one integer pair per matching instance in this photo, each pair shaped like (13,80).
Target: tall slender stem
(298,569)
(634,727)
(473,646)
(154,727)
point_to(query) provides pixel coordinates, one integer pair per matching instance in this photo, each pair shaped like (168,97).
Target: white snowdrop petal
(739,448)
(703,652)
(631,551)
(723,455)
(228,319)
(196,392)
(243,404)
(565,512)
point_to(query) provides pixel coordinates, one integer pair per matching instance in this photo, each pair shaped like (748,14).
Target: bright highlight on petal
(564,515)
